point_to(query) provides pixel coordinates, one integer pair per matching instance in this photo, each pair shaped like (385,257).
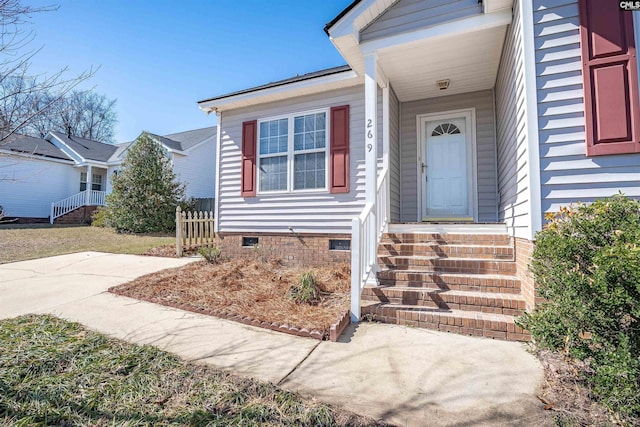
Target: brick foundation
(293,249)
(524,250)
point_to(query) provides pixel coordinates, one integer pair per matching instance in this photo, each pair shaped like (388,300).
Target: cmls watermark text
(630,5)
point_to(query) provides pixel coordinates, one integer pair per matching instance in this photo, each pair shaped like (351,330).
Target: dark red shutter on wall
(610,78)
(249,136)
(339,150)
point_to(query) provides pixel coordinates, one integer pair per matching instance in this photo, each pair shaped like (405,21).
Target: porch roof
(466,51)
(86,148)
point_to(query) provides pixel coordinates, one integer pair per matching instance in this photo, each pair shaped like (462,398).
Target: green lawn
(22,242)
(53,372)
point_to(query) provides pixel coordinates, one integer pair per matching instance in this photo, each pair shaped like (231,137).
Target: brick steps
(82,215)
(456,282)
(452,250)
(447,238)
(484,302)
(452,265)
(462,322)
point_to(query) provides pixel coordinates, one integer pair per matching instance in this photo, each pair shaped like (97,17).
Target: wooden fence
(193,230)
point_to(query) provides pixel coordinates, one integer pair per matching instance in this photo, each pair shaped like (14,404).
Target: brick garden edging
(335,329)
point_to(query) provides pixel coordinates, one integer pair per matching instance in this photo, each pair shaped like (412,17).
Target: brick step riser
(430,268)
(478,239)
(450,302)
(434,321)
(470,287)
(447,281)
(447,262)
(488,254)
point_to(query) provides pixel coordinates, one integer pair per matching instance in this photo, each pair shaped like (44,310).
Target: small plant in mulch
(306,291)
(212,254)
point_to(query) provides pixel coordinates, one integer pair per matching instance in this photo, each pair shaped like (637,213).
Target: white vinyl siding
(29,186)
(482,101)
(513,168)
(409,15)
(197,169)
(394,156)
(567,175)
(311,212)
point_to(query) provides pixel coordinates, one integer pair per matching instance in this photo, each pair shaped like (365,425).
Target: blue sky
(157,58)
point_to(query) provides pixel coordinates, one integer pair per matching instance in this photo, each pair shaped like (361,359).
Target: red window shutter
(249,149)
(610,78)
(339,150)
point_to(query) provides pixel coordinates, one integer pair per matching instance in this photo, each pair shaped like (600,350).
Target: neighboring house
(436,152)
(192,154)
(56,176)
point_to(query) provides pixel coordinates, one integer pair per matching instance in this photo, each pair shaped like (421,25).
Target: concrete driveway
(406,376)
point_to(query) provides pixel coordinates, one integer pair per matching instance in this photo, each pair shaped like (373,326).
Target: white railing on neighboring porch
(366,233)
(83,198)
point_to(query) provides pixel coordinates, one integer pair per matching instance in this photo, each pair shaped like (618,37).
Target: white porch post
(371,147)
(87,193)
(371,127)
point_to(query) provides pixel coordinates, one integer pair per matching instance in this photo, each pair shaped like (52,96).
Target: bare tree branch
(27,101)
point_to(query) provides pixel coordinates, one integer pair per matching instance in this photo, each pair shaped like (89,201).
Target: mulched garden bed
(565,393)
(253,292)
(166,251)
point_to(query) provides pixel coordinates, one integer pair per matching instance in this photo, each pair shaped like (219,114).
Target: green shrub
(212,254)
(98,219)
(586,263)
(145,191)
(306,291)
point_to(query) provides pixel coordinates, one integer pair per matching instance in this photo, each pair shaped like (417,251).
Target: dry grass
(248,288)
(23,242)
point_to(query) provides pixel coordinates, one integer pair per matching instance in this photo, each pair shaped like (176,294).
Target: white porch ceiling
(470,61)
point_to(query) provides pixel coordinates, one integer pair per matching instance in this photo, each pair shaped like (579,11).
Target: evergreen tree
(145,190)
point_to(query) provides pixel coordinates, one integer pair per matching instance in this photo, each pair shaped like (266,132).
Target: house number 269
(369,134)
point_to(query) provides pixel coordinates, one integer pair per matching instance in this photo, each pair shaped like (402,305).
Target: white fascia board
(461,26)
(346,24)
(9,153)
(286,90)
(94,163)
(64,147)
(495,5)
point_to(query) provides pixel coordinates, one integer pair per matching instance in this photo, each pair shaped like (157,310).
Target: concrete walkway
(406,376)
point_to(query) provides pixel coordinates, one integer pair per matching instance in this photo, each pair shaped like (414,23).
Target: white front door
(447,171)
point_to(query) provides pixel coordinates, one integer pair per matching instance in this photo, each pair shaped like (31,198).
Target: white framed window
(292,153)
(96,182)
(83,181)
